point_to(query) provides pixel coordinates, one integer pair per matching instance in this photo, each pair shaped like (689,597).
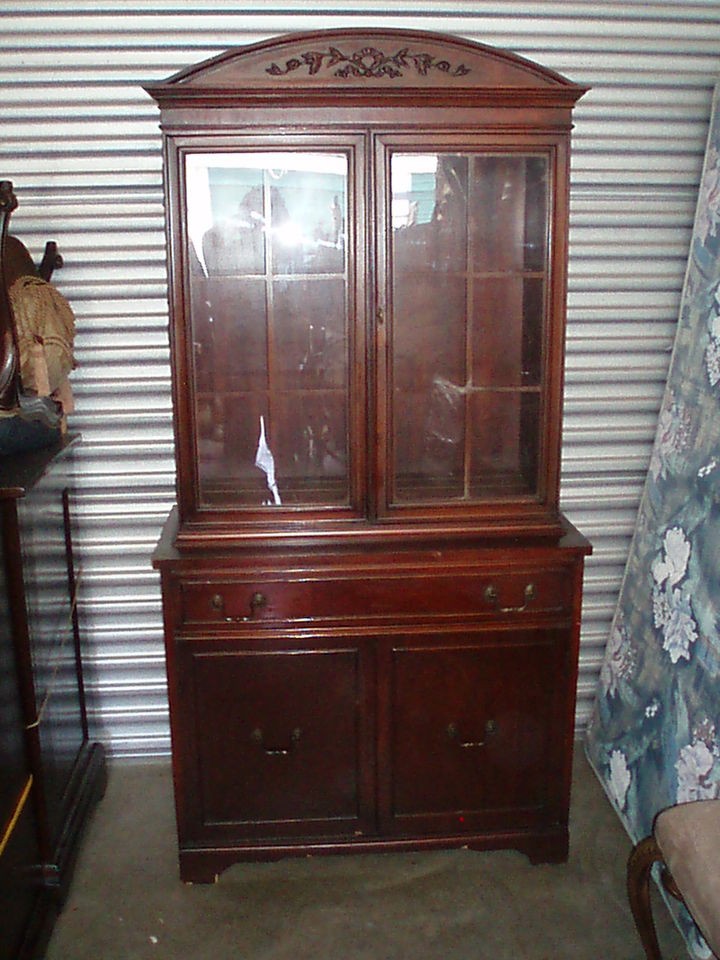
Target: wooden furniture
(371,599)
(685,841)
(50,772)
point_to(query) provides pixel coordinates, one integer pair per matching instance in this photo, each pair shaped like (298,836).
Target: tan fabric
(45,326)
(689,838)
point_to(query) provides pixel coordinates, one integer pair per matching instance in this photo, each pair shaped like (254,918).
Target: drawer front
(492,595)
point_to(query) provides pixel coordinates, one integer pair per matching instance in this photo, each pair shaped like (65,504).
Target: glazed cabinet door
(466,283)
(19,853)
(473,731)
(276,739)
(273,354)
(59,721)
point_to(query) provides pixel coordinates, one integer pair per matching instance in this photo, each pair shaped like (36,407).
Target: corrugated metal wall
(80,140)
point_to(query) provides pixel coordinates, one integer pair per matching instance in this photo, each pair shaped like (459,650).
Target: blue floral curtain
(654,737)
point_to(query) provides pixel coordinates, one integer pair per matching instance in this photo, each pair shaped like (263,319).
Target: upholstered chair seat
(686,841)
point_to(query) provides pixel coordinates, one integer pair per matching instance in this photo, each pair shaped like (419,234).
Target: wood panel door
(471,731)
(279,736)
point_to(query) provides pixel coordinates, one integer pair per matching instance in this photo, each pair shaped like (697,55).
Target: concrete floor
(127,903)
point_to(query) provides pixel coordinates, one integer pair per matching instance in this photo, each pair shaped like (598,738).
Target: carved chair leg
(639,867)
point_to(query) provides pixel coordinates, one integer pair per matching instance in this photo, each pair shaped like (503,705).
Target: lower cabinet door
(277,741)
(473,726)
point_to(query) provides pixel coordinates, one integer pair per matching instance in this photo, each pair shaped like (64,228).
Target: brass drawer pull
(257,737)
(257,602)
(453,734)
(491,596)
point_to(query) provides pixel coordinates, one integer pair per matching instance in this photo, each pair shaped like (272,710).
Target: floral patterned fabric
(654,737)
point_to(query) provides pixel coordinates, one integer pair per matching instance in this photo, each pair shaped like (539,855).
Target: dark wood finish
(268,773)
(367,237)
(642,858)
(51,772)
(335,700)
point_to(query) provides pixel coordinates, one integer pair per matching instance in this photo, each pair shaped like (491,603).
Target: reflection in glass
(468,265)
(268,295)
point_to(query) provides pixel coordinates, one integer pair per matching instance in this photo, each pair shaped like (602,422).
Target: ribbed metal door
(80,140)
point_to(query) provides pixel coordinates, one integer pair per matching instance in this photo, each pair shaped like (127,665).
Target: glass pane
(269,304)
(468,263)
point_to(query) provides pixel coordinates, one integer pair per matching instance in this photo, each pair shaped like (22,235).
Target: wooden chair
(685,840)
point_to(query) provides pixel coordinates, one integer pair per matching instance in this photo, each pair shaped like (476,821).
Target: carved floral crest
(367,62)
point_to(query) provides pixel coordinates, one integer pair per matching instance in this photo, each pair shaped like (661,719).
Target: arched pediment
(339,62)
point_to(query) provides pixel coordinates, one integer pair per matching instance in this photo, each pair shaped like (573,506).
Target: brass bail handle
(454,734)
(257,602)
(257,737)
(530,593)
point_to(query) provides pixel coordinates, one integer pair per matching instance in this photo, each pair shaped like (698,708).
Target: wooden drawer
(373,597)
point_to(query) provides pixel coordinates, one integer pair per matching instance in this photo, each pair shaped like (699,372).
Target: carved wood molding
(368,62)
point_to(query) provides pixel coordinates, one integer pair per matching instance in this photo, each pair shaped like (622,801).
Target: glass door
(467,292)
(271,351)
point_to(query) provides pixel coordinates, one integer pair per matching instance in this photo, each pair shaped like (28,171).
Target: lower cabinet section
(430,702)
(287,743)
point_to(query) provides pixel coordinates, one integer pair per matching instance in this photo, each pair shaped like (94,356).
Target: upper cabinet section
(367,237)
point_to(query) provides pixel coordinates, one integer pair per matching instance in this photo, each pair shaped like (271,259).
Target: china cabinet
(371,598)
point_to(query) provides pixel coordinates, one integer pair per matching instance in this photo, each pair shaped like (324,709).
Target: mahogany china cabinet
(371,599)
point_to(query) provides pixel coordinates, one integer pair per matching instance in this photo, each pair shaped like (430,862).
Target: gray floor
(127,903)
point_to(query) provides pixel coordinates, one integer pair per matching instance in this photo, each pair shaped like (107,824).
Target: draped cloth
(45,334)
(654,735)
(45,328)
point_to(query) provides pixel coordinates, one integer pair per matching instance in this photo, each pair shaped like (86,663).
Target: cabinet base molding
(205,865)
(87,788)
